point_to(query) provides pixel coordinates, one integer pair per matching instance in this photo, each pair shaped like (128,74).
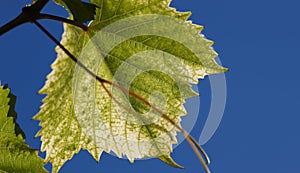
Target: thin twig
(61,19)
(19,20)
(22,18)
(201,150)
(193,145)
(31,13)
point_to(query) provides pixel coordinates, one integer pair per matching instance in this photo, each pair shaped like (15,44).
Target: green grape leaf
(81,11)
(15,155)
(142,46)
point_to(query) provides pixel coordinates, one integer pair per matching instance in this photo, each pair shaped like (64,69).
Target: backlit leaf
(143,46)
(15,155)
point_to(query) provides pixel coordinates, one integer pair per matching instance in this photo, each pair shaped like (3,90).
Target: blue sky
(257,40)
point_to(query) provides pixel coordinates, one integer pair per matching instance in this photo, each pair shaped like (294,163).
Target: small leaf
(15,155)
(81,11)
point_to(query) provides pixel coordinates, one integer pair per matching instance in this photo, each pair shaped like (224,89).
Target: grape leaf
(15,155)
(81,11)
(159,66)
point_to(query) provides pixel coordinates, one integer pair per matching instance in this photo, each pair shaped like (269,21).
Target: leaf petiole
(64,20)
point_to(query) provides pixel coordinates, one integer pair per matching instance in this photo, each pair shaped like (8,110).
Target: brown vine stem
(194,145)
(34,12)
(22,18)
